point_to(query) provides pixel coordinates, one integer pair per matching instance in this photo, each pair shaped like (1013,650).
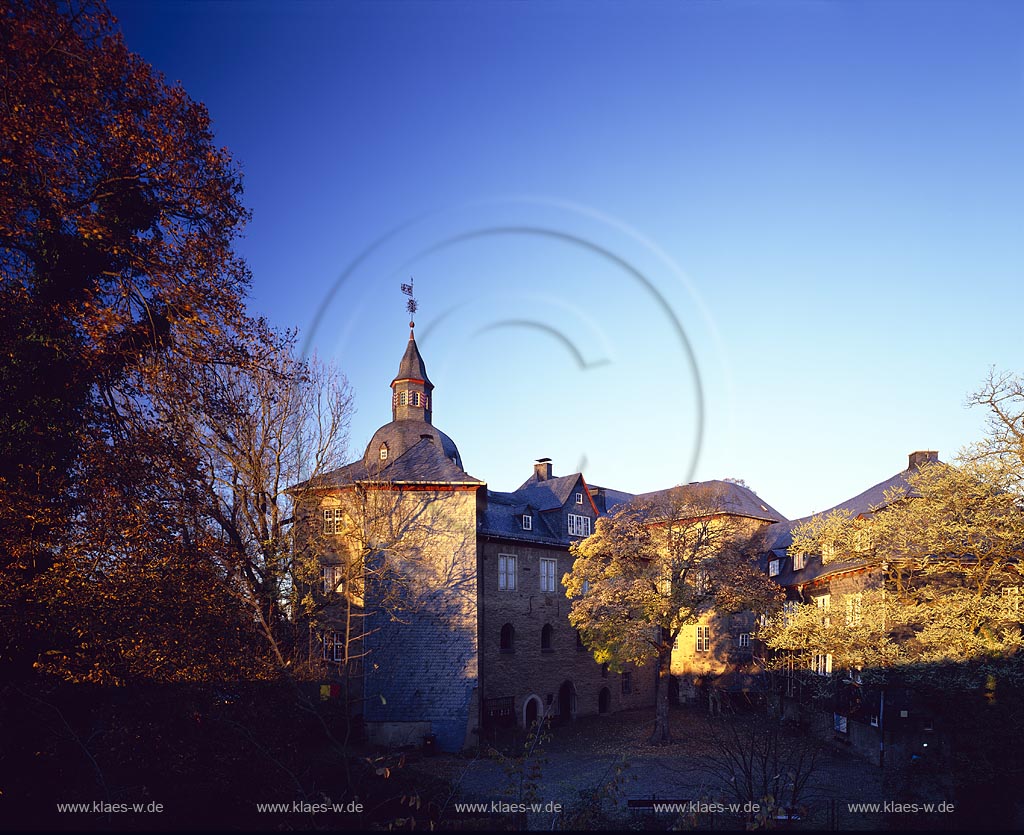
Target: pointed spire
(411,389)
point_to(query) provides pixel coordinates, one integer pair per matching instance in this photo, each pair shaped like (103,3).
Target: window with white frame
(703,639)
(798,561)
(824,603)
(403,398)
(383,452)
(874,720)
(579,498)
(506,572)
(333,577)
(527,522)
(334,520)
(839,723)
(773,568)
(788,610)
(821,663)
(579,525)
(547,574)
(333,647)
(744,640)
(853,604)
(585,588)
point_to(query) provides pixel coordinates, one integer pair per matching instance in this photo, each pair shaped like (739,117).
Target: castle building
(458,619)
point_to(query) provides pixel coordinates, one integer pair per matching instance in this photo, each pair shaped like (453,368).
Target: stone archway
(533,709)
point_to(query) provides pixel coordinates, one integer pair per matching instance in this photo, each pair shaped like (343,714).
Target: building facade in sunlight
(446,612)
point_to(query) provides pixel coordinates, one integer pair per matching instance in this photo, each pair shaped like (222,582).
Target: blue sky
(777,241)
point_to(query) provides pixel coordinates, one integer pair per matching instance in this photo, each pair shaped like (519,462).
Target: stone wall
(529,671)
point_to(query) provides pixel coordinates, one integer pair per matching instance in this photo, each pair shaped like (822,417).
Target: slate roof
(412,366)
(779,537)
(423,463)
(731,497)
(609,498)
(402,435)
(549,494)
(502,515)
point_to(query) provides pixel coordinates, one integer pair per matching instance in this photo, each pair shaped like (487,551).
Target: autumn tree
(946,549)
(654,566)
(117,217)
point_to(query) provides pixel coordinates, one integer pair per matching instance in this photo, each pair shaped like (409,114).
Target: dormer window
(383,452)
(773,568)
(527,522)
(579,498)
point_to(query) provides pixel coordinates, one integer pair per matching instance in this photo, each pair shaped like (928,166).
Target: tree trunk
(662,734)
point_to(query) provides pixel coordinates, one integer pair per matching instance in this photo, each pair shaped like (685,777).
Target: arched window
(508,637)
(545,638)
(383,452)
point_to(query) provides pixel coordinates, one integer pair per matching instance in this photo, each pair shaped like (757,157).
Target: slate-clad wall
(422,662)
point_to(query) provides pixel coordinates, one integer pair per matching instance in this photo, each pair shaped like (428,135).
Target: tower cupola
(411,390)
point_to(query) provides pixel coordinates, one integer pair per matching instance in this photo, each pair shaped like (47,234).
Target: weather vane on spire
(410,305)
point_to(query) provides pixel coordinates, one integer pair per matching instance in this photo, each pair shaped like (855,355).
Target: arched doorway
(531,711)
(566,701)
(604,700)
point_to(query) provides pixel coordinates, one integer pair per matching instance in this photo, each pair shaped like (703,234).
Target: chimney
(922,456)
(542,469)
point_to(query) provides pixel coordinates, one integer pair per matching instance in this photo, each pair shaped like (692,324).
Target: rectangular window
(334,520)
(586,587)
(333,577)
(579,525)
(334,648)
(745,640)
(822,664)
(547,574)
(506,572)
(824,602)
(798,561)
(627,683)
(853,602)
(773,568)
(527,522)
(874,720)
(703,638)
(579,498)
(839,723)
